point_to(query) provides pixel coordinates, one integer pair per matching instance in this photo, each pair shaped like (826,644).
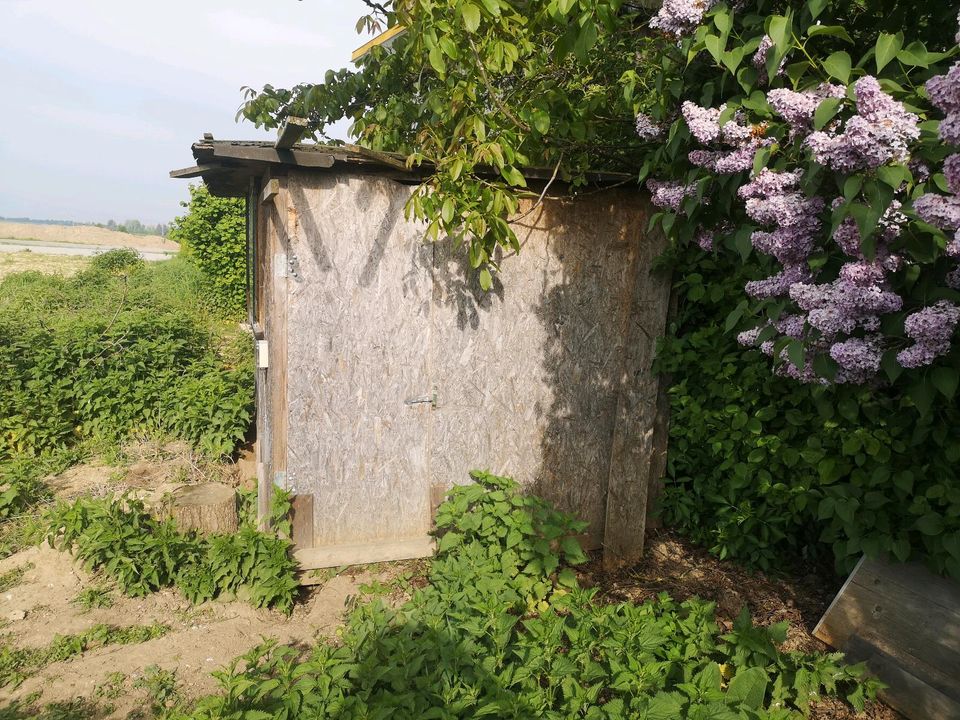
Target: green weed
(142,554)
(12,578)
(17,664)
(504,630)
(93,598)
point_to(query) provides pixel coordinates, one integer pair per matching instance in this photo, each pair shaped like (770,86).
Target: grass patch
(12,578)
(18,664)
(94,598)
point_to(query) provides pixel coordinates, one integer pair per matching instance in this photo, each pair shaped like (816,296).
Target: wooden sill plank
(362,554)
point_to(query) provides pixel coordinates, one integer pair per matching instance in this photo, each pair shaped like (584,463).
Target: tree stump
(208,508)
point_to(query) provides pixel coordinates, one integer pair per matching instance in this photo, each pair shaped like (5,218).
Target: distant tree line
(134,227)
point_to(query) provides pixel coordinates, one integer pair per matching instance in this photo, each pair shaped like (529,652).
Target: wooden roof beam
(290,132)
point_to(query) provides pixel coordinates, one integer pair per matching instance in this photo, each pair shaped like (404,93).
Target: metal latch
(431,399)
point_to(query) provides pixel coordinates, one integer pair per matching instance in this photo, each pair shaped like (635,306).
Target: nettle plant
(822,136)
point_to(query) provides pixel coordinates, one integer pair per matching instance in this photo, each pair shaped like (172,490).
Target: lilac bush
(843,182)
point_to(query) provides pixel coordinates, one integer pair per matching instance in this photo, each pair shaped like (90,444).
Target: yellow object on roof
(383,38)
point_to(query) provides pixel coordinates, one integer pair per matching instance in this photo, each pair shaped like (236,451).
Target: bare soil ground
(201,638)
(65,265)
(85,235)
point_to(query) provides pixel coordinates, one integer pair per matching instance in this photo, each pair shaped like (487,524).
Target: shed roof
(226,166)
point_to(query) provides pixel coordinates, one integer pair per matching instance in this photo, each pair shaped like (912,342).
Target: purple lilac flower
(779,284)
(704,123)
(953,247)
(944,90)
(748,338)
(769,182)
(668,194)
(881,131)
(943,211)
(859,357)
(953,278)
(951,169)
(847,234)
(840,307)
(760,56)
(680,17)
(647,129)
(950,128)
(791,325)
(931,329)
(704,239)
(920,170)
(797,108)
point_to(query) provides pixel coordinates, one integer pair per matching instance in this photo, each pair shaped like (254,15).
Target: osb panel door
(529,375)
(358,327)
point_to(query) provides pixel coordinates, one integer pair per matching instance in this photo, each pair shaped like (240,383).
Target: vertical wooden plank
(262,289)
(301,521)
(637,447)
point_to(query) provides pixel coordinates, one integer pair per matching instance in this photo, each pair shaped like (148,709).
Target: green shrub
(767,471)
(105,356)
(213,235)
(143,554)
(119,260)
(471,644)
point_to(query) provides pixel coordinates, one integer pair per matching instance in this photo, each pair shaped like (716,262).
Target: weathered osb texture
(358,334)
(530,379)
(529,375)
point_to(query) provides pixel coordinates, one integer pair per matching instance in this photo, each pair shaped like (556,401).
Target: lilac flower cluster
(668,194)
(680,17)
(797,108)
(704,123)
(880,132)
(931,329)
(741,140)
(647,129)
(858,358)
(944,94)
(772,199)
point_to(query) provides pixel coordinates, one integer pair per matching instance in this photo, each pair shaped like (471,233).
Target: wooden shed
(385,374)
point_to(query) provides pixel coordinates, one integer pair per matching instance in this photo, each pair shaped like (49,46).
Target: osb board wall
(528,378)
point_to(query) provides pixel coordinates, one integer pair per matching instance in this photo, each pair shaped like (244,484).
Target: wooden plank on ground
(362,554)
(905,622)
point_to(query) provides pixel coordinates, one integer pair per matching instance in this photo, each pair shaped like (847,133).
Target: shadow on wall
(567,302)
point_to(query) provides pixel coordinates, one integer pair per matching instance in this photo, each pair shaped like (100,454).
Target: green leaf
(825,111)
(838,66)
(541,121)
(832,30)
(749,686)
(779,31)
(567,577)
(930,524)
(945,380)
(471,16)
(486,282)
(449,541)
(887,48)
(915,54)
(436,60)
(796,354)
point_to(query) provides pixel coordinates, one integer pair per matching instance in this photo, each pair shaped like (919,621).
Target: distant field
(65,265)
(84,235)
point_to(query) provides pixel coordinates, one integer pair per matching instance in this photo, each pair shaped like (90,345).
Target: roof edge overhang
(226,166)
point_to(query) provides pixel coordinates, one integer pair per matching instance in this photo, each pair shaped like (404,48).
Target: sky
(100,99)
